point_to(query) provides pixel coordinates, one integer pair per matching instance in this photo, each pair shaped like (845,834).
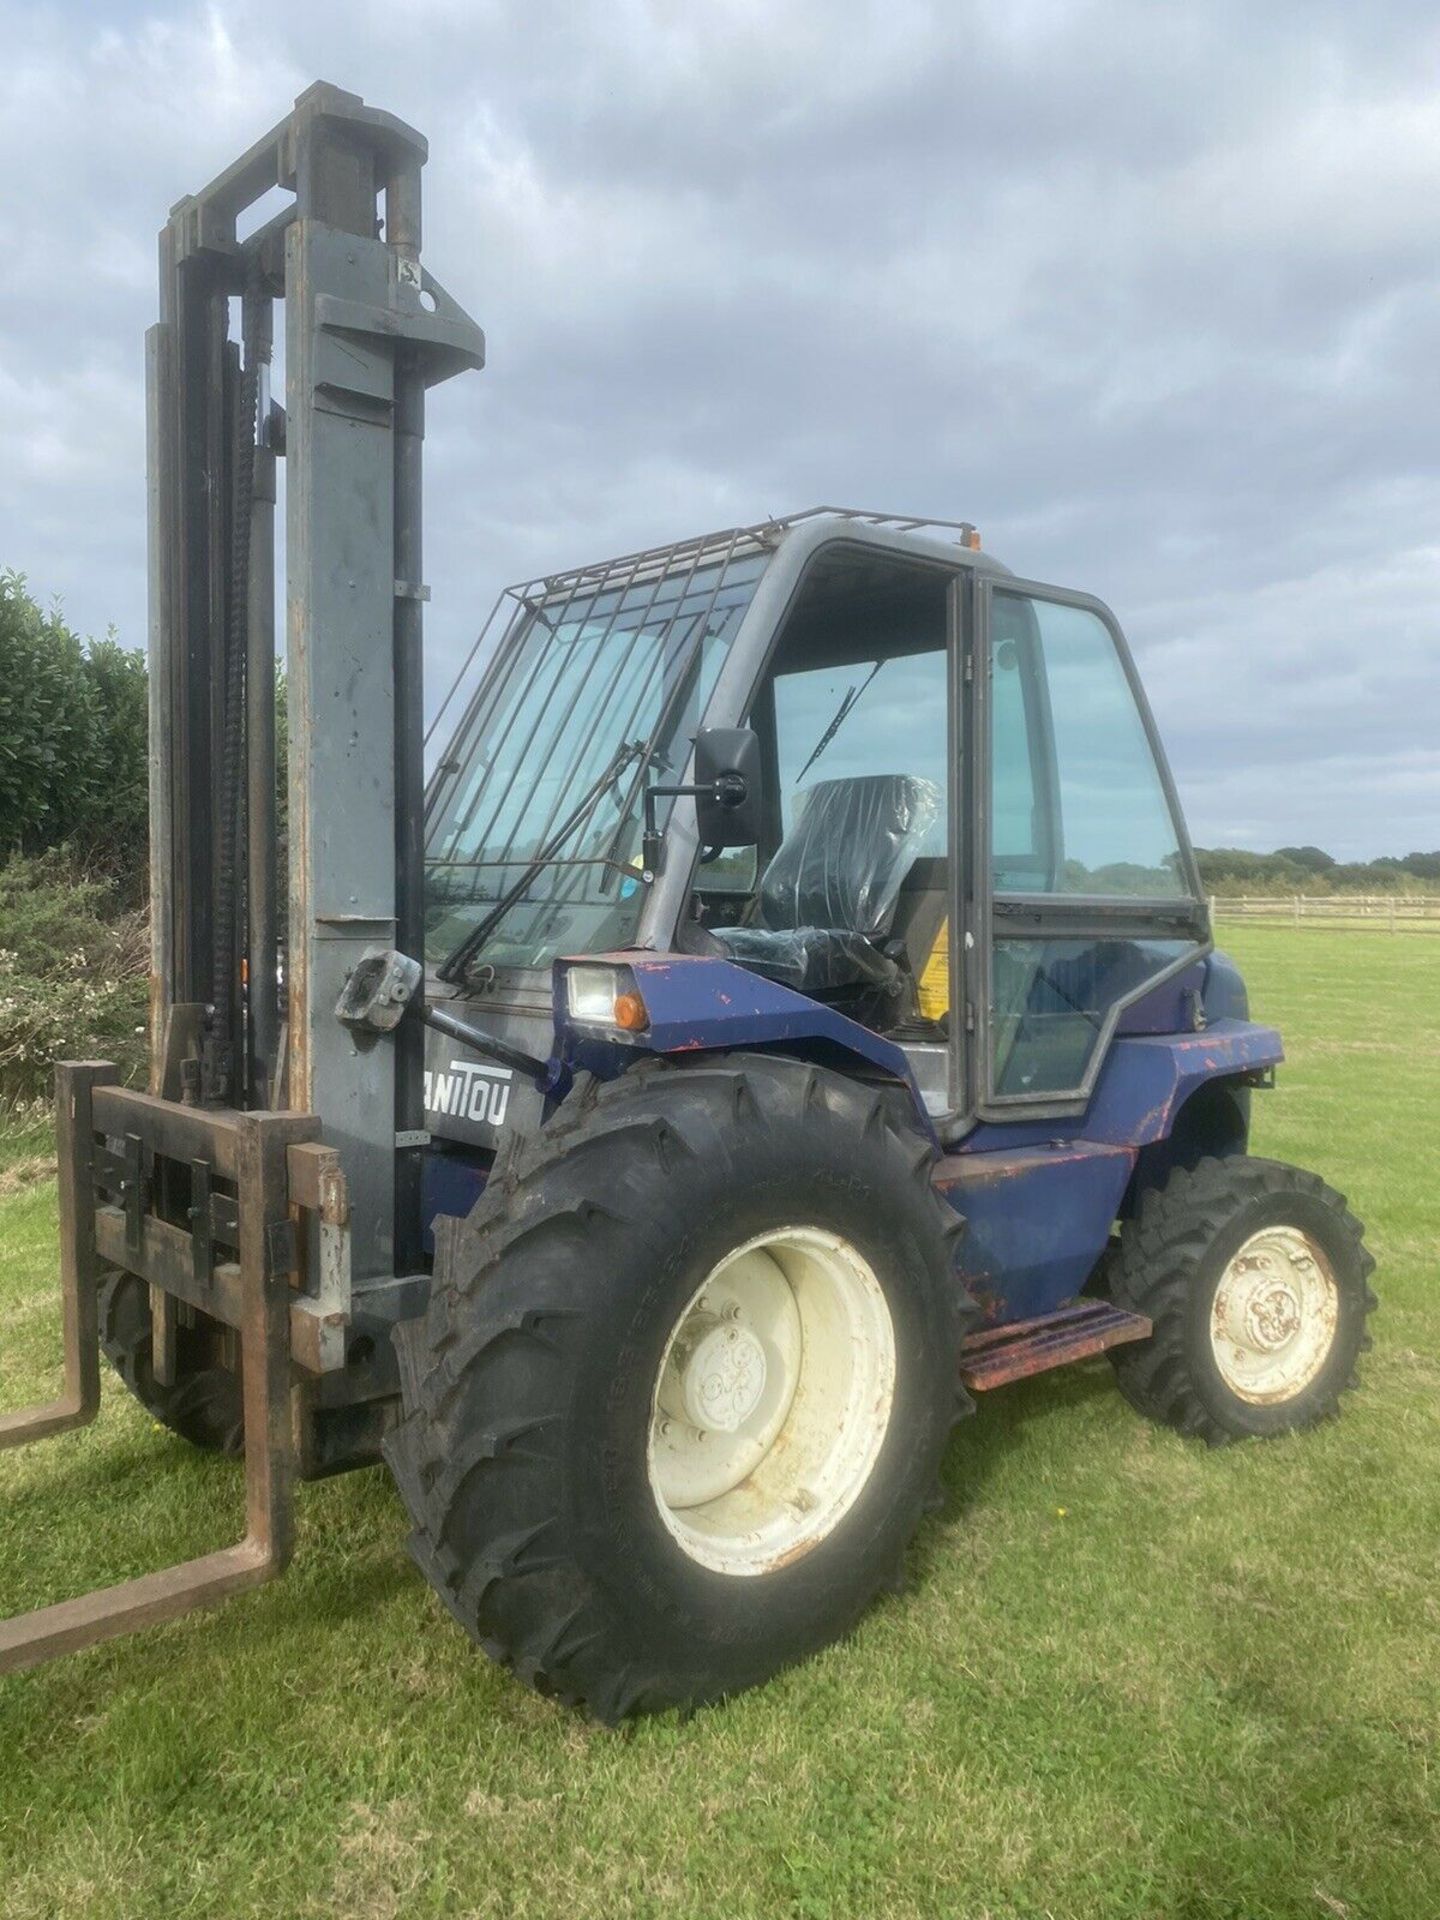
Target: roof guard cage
(634,569)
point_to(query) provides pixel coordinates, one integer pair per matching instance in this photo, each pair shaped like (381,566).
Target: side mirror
(728,790)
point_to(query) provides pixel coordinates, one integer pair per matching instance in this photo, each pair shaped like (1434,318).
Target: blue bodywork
(1038,1213)
(1039,1196)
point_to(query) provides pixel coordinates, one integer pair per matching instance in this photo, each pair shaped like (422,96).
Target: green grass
(1132,1677)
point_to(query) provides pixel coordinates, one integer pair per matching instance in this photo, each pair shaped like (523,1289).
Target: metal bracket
(202,1225)
(319,1320)
(132,1190)
(448,339)
(378,990)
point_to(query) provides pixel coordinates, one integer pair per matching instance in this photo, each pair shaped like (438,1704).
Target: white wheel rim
(772,1401)
(1273,1319)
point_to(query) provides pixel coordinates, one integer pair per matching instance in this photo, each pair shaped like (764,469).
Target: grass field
(1131,1678)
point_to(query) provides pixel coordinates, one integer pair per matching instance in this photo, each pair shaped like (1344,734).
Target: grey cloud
(1149,292)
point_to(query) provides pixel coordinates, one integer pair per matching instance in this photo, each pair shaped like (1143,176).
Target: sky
(1149,292)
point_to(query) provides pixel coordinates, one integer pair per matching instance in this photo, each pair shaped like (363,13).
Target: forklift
(787,1012)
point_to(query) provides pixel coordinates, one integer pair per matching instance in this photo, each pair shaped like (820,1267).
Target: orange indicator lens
(630,1013)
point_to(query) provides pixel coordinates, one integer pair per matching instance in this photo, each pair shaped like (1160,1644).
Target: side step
(996,1355)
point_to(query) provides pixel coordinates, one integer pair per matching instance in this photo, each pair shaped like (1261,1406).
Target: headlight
(605,997)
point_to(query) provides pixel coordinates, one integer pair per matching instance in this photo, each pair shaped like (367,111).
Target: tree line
(1312,870)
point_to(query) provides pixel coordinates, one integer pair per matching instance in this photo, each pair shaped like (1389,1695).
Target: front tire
(684,1384)
(1256,1277)
(206,1404)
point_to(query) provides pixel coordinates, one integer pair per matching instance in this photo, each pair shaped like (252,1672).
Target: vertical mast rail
(402,230)
(262,950)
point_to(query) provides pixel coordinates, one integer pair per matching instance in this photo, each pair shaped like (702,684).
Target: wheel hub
(1274,1317)
(722,1376)
(772,1401)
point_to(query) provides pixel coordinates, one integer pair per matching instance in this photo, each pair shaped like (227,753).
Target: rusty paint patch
(990,1303)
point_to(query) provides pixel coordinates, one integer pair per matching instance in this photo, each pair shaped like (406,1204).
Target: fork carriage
(255,1193)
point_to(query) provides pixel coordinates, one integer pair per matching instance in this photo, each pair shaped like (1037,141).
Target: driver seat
(828,897)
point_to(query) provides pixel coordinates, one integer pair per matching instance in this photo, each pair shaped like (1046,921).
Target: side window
(1078,813)
(1022,824)
(1050,1000)
(1069,745)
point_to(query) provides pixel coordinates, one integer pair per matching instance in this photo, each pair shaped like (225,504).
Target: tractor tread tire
(205,1405)
(1170,1252)
(490,1433)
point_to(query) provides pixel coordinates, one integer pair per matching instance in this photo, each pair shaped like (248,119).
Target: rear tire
(205,1406)
(1256,1277)
(632,1274)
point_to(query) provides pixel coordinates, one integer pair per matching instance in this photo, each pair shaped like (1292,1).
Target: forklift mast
(366,329)
(215,1190)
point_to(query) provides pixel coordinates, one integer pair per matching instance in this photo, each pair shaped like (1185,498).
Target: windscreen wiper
(455,965)
(852,695)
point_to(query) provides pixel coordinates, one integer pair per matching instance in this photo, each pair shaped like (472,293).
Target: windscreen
(595,692)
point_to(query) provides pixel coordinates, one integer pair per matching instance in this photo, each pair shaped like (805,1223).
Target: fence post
(1297,909)
(1392,913)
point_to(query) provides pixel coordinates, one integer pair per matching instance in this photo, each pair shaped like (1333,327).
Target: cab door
(1084,893)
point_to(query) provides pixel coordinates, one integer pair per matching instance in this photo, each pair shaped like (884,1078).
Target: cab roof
(956,538)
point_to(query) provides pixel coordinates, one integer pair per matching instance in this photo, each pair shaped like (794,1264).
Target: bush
(74,766)
(74,974)
(47,723)
(113,833)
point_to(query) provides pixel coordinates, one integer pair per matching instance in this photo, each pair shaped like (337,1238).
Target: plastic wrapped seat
(828,897)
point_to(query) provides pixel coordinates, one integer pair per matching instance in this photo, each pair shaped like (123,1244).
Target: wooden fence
(1344,912)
